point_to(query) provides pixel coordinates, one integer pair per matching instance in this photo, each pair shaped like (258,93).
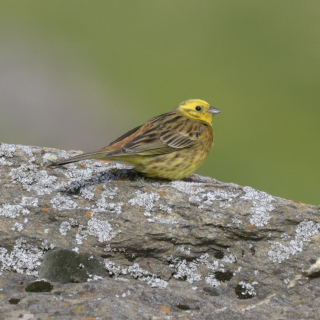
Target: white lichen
(93,171)
(28,150)
(7,150)
(190,188)
(13,210)
(4,162)
(165,208)
(146,276)
(185,271)
(105,206)
(212,281)
(208,262)
(101,229)
(261,206)
(65,226)
(136,272)
(229,259)
(87,192)
(33,179)
(17,227)
(22,258)
(248,288)
(221,195)
(182,249)
(29,201)
(161,220)
(145,200)
(81,234)
(114,270)
(280,252)
(63,202)
(94,278)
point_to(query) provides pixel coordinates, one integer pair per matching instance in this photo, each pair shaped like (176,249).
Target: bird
(170,146)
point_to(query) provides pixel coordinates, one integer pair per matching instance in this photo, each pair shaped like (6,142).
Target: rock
(116,245)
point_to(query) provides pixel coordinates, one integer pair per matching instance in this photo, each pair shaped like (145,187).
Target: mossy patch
(39,286)
(219,255)
(65,266)
(223,276)
(14,301)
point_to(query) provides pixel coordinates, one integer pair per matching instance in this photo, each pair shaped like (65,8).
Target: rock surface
(116,245)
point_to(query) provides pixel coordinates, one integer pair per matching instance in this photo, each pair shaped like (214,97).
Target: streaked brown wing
(127,134)
(181,134)
(118,144)
(163,135)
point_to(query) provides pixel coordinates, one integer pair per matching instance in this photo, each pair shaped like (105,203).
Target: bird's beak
(213,110)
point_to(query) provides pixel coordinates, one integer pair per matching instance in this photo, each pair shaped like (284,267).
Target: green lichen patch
(66,266)
(219,255)
(223,276)
(39,286)
(14,300)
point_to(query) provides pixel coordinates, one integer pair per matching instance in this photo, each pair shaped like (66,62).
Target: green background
(77,74)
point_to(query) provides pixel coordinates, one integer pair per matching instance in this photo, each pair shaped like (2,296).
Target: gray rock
(116,245)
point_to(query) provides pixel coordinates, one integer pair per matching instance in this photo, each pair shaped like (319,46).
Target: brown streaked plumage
(170,146)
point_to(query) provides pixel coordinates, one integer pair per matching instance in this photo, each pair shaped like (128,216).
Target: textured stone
(116,245)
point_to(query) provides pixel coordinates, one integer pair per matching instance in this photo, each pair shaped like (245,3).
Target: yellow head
(197,109)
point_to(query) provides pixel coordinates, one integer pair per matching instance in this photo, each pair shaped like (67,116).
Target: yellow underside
(173,166)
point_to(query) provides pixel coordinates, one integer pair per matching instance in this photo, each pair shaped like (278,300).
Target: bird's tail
(92,155)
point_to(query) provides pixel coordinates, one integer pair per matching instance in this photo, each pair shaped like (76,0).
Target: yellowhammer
(170,146)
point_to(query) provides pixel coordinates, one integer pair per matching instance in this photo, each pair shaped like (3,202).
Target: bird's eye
(198,108)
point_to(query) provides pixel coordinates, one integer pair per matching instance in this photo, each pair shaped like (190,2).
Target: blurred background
(77,74)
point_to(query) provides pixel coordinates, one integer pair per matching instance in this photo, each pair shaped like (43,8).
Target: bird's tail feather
(85,156)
